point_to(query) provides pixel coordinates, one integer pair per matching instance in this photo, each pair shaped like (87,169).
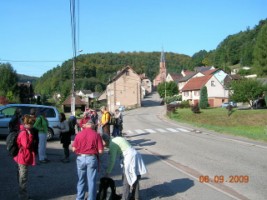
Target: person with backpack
(25,156)
(14,123)
(133,164)
(94,118)
(105,120)
(41,125)
(117,127)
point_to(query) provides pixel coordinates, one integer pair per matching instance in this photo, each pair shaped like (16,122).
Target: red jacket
(26,155)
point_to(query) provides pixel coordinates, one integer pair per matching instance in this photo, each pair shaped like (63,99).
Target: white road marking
(172,130)
(139,131)
(150,130)
(183,130)
(161,130)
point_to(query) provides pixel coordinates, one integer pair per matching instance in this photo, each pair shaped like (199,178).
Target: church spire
(162,57)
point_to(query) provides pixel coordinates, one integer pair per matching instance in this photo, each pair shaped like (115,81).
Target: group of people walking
(88,145)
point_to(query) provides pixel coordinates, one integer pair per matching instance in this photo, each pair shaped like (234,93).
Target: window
(196,93)
(212,83)
(9,112)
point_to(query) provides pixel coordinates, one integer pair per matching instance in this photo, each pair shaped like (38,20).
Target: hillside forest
(93,71)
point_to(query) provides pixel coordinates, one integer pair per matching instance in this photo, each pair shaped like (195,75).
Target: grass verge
(247,123)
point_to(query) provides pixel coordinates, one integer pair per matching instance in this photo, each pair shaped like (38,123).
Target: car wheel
(50,134)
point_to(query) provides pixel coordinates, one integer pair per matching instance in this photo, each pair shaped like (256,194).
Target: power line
(31,61)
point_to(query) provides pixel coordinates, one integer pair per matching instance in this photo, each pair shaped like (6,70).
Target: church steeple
(162,57)
(162,67)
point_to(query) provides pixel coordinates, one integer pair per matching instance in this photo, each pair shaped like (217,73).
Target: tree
(260,52)
(246,90)
(170,88)
(203,101)
(8,81)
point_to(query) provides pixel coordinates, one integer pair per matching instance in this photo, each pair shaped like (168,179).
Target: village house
(87,96)
(146,84)
(217,93)
(186,77)
(173,77)
(79,104)
(124,89)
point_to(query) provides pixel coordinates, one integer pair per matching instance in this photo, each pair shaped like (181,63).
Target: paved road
(176,156)
(184,153)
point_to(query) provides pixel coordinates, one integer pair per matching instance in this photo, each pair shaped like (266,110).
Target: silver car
(52,115)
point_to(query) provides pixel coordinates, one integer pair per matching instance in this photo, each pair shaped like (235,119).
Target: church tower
(161,77)
(162,67)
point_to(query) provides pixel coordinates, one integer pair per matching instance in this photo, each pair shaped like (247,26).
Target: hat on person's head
(106,138)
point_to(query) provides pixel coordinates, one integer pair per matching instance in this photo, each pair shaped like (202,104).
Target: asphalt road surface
(183,163)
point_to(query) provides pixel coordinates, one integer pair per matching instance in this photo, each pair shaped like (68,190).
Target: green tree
(8,80)
(246,90)
(260,52)
(98,88)
(167,88)
(203,101)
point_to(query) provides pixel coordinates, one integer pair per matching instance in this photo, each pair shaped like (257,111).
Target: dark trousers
(127,194)
(66,150)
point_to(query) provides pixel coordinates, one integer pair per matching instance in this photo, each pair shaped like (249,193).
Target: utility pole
(73,96)
(74,49)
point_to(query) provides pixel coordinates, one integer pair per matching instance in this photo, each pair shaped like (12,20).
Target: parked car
(52,115)
(226,104)
(121,108)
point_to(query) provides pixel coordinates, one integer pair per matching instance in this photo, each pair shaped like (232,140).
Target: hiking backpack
(11,143)
(107,190)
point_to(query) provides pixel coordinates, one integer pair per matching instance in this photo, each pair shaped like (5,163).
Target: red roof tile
(208,72)
(196,83)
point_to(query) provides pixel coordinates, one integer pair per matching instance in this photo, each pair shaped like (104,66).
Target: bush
(195,109)
(184,104)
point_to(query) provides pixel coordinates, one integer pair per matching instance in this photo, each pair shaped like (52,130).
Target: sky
(35,35)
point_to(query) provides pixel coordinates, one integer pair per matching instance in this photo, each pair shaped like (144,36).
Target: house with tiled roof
(173,77)
(218,73)
(217,93)
(79,104)
(186,78)
(124,89)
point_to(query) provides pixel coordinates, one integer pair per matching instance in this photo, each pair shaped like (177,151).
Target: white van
(52,115)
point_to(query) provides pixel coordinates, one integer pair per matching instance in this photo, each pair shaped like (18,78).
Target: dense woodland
(93,71)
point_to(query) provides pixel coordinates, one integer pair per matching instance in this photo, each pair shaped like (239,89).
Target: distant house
(203,68)
(123,89)
(186,78)
(217,93)
(173,77)
(87,96)
(218,73)
(146,84)
(79,104)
